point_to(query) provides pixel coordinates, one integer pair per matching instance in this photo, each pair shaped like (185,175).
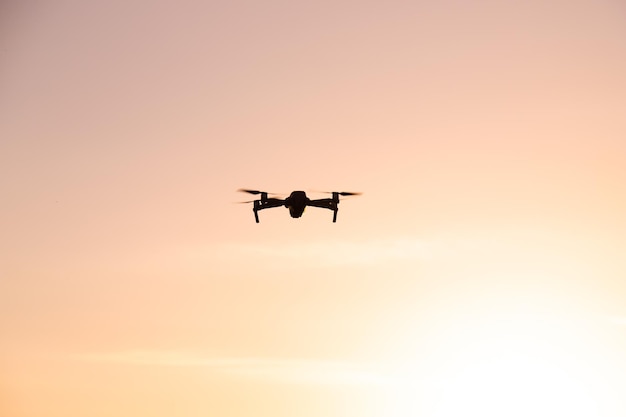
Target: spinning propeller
(255,192)
(264,195)
(341,193)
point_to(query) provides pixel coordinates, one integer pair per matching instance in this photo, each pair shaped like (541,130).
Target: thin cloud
(307,371)
(336,253)
(617,320)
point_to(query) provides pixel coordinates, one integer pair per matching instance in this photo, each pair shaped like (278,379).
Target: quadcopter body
(296,202)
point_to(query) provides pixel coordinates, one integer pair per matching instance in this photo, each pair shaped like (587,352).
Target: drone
(296,202)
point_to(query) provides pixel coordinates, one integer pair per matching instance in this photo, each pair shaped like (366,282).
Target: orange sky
(481,273)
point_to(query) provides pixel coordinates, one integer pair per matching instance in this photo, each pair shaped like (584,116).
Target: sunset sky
(481,273)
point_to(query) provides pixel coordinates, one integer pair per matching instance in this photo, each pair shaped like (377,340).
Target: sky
(480,273)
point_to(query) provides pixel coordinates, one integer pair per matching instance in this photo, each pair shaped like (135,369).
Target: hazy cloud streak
(309,371)
(328,254)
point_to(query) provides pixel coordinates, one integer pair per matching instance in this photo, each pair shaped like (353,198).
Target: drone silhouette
(296,202)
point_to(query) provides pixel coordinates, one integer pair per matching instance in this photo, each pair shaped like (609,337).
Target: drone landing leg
(335,215)
(256,211)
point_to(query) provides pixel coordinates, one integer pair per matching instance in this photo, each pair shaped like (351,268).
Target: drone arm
(326,203)
(265,204)
(270,203)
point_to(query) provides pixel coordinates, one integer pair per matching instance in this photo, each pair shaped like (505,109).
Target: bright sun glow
(520,365)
